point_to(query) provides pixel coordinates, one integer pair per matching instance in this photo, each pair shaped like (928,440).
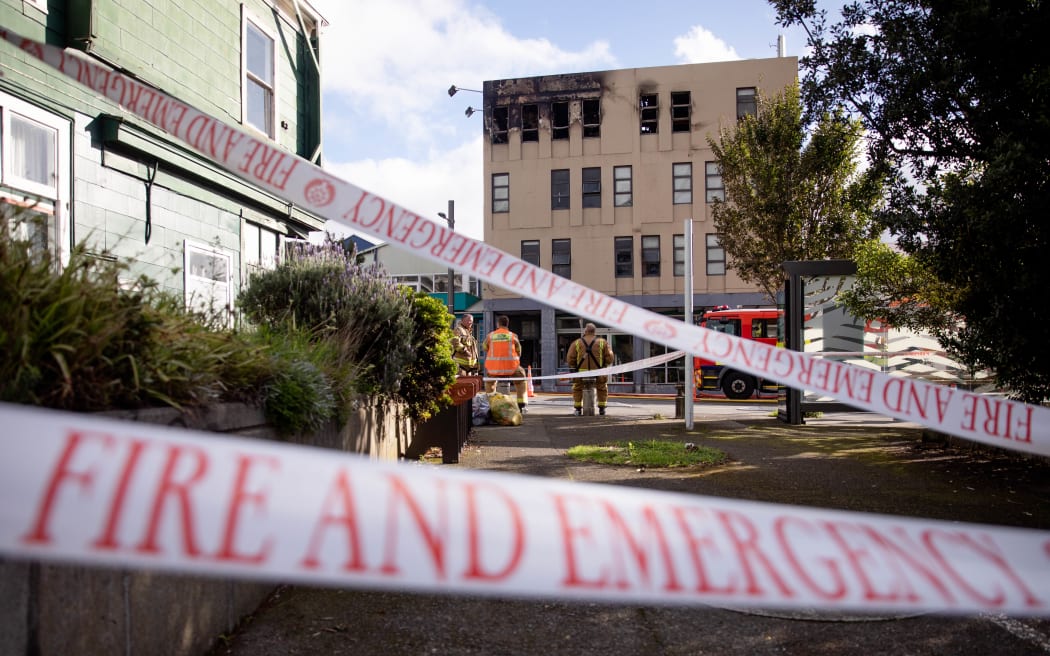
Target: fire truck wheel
(737,385)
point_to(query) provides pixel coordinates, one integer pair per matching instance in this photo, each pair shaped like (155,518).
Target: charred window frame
(530,251)
(716,256)
(560,120)
(716,189)
(500,124)
(681,108)
(560,189)
(623,256)
(746,102)
(650,255)
(500,193)
(682,179)
(530,122)
(678,255)
(561,257)
(649,111)
(592,118)
(623,194)
(592,186)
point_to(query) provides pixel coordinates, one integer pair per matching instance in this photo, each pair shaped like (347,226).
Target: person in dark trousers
(589,353)
(503,359)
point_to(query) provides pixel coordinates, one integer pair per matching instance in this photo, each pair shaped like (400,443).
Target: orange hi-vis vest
(501,359)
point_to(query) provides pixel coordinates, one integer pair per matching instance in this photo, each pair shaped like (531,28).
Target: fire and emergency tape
(606,371)
(76,487)
(80,488)
(991,420)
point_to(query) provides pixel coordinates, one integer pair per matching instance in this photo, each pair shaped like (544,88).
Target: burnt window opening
(623,254)
(560,189)
(650,255)
(680,111)
(592,186)
(746,102)
(500,192)
(622,192)
(500,125)
(530,251)
(592,118)
(561,257)
(559,120)
(649,108)
(530,122)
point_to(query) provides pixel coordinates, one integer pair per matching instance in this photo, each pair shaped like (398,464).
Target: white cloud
(424,187)
(700,45)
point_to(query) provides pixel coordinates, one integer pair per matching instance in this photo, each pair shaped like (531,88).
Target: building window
(592,118)
(560,189)
(716,257)
(35,167)
(530,251)
(500,192)
(650,255)
(623,254)
(561,257)
(746,104)
(559,120)
(716,189)
(592,187)
(260,248)
(530,122)
(622,193)
(208,282)
(682,173)
(649,110)
(678,248)
(500,125)
(681,106)
(259,86)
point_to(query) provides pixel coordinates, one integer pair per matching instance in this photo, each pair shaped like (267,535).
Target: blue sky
(390,126)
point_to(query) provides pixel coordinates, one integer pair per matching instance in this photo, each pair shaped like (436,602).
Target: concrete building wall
(527,153)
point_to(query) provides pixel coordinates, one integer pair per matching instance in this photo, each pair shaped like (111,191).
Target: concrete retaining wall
(58,610)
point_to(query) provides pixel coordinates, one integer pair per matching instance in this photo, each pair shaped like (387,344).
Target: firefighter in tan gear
(588,353)
(465,346)
(503,359)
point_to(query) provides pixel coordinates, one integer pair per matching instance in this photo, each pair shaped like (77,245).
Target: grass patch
(650,453)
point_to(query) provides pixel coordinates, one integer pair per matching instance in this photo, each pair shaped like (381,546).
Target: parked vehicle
(762,324)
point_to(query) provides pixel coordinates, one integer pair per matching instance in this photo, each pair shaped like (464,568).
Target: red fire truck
(763,324)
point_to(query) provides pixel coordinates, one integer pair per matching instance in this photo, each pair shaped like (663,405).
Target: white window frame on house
(682,179)
(260,248)
(208,281)
(254,80)
(715,187)
(716,256)
(500,193)
(45,194)
(746,102)
(623,186)
(678,255)
(650,256)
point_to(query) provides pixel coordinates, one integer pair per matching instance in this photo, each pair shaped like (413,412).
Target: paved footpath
(855,462)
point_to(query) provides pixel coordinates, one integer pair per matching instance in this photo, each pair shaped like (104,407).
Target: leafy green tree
(955,98)
(788,197)
(428,378)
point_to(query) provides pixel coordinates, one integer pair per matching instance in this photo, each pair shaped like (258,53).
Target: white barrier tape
(607,371)
(76,487)
(991,420)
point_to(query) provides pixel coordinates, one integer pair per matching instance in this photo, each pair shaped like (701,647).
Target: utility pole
(450,219)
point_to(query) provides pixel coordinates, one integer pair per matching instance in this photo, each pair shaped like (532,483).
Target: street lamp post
(450,219)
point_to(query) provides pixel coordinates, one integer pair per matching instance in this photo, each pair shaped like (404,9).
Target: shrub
(427,379)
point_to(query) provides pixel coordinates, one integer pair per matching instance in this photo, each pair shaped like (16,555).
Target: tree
(788,198)
(956,101)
